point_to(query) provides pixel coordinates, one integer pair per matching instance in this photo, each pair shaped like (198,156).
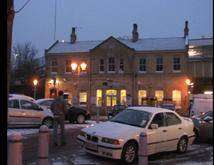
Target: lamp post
(35,83)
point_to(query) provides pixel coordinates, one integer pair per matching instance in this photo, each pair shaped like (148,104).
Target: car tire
(48,122)
(80,119)
(182,145)
(129,153)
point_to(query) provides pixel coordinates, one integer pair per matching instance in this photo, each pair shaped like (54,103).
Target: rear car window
(172,119)
(29,105)
(158,119)
(13,104)
(46,103)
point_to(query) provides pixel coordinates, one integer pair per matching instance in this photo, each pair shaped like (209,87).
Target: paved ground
(73,154)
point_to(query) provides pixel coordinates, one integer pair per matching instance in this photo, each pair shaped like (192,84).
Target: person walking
(58,107)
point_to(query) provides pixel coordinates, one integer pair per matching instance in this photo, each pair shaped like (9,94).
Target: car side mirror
(154,126)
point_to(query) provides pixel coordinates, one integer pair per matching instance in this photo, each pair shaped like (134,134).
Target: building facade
(201,64)
(101,74)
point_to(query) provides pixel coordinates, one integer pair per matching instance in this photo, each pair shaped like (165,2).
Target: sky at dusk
(99,19)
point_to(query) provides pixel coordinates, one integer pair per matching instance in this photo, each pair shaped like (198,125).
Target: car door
(174,131)
(15,115)
(156,136)
(32,113)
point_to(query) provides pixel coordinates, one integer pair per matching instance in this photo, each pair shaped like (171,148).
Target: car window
(172,119)
(13,104)
(46,103)
(158,119)
(29,105)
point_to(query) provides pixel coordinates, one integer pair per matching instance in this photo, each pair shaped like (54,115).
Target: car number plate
(91,146)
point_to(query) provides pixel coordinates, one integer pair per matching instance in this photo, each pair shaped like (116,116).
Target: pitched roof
(201,42)
(146,44)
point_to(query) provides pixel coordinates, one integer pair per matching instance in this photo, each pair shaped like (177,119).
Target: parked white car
(24,112)
(118,138)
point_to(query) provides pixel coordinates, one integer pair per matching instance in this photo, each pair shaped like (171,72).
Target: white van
(201,103)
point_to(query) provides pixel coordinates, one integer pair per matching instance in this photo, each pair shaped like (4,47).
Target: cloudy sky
(98,19)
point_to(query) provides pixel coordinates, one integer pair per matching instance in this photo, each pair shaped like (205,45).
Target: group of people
(58,108)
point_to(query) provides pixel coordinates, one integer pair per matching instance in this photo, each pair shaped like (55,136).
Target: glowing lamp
(188,81)
(83,66)
(35,82)
(73,66)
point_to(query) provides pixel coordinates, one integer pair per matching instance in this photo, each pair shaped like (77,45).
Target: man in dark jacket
(58,107)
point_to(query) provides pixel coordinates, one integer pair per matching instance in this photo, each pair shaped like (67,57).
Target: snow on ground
(30,131)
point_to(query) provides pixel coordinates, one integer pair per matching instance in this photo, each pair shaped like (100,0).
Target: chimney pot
(134,33)
(73,35)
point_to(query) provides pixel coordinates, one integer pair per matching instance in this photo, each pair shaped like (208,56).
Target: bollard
(98,116)
(44,136)
(143,152)
(15,149)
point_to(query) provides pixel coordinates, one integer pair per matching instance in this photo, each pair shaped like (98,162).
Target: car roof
(21,96)
(152,110)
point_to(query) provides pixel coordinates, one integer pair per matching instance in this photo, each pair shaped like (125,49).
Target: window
(111,97)
(159,95)
(121,66)
(141,95)
(176,97)
(47,103)
(83,97)
(102,67)
(172,119)
(28,105)
(159,64)
(99,98)
(158,119)
(123,97)
(68,66)
(54,66)
(111,64)
(176,64)
(142,66)
(13,104)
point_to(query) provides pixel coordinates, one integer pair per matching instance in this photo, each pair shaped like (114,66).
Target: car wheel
(182,145)
(129,153)
(48,122)
(80,119)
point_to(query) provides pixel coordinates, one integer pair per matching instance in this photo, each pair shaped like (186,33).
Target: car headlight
(111,141)
(82,133)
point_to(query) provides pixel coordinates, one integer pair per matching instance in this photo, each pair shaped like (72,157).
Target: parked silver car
(24,112)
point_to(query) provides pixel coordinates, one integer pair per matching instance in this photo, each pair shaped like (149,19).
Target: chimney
(73,36)
(186,29)
(134,33)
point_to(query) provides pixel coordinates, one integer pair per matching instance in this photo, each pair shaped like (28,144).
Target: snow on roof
(201,42)
(147,44)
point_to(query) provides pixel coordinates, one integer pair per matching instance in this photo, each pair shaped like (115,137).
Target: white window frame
(140,71)
(112,64)
(156,64)
(176,71)
(51,61)
(103,65)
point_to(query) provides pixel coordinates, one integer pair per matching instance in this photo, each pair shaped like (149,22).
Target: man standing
(58,107)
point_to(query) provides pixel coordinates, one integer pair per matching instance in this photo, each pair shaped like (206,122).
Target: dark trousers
(59,121)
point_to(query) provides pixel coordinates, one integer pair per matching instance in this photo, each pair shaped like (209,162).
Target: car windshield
(132,117)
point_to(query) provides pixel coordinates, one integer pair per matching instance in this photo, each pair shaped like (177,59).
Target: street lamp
(81,67)
(35,83)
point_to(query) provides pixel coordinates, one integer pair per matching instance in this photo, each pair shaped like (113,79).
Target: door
(111,98)
(32,114)
(174,131)
(156,136)
(14,113)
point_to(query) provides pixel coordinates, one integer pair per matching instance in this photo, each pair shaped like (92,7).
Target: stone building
(101,74)
(201,64)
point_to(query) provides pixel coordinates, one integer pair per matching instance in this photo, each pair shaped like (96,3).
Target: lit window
(111,97)
(54,66)
(83,97)
(123,97)
(68,66)
(159,64)
(121,66)
(99,98)
(102,68)
(142,66)
(159,95)
(141,95)
(111,64)
(176,64)
(176,97)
